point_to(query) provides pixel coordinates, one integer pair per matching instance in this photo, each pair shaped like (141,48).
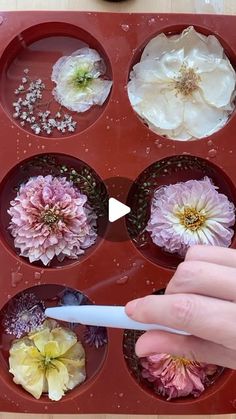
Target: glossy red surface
(113,142)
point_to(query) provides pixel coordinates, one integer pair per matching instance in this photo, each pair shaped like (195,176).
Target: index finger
(204,317)
(212,254)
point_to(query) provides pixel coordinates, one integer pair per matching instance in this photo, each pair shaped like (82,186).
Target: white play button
(116,210)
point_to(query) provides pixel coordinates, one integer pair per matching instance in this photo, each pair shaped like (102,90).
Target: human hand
(199,299)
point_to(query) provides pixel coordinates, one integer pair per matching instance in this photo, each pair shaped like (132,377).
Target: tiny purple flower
(95,336)
(24,314)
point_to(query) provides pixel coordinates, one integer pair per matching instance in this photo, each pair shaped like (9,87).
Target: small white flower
(78,80)
(184,85)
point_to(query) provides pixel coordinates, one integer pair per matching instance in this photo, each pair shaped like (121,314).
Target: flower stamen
(81,79)
(187,81)
(49,217)
(191,219)
(181,360)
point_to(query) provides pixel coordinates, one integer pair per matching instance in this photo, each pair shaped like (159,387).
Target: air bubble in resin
(17,317)
(163,173)
(51,169)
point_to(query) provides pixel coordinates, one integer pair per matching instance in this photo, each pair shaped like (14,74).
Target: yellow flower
(48,360)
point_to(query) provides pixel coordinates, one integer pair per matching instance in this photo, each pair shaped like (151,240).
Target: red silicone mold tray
(115,145)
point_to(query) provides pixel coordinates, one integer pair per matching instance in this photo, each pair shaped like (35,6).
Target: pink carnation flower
(190,213)
(51,218)
(174,376)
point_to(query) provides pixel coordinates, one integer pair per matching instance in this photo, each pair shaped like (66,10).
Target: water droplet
(45,408)
(16,277)
(122,280)
(24,151)
(86,150)
(230,151)
(159,145)
(9,296)
(212,153)
(148,282)
(118,265)
(1,20)
(151,21)
(125,27)
(210,143)
(148,150)
(121,394)
(91,395)
(108,127)
(37,275)
(30,144)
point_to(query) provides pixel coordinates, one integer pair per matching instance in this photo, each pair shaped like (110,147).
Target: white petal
(192,40)
(65,66)
(81,100)
(201,63)
(179,134)
(163,70)
(156,47)
(161,108)
(201,119)
(218,85)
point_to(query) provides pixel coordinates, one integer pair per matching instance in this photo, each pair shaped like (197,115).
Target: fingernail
(131,306)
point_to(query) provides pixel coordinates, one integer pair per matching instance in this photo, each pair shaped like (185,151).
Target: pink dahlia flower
(50,218)
(174,376)
(190,213)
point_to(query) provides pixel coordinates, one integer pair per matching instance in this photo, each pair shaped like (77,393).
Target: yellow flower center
(191,219)
(187,81)
(181,360)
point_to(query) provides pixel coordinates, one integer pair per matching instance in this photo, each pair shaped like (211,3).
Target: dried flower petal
(190,213)
(49,360)
(24,314)
(173,86)
(95,336)
(51,218)
(173,376)
(78,80)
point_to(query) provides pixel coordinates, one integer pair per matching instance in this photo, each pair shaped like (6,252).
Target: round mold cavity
(52,295)
(135,369)
(165,172)
(56,165)
(133,364)
(37,49)
(176,30)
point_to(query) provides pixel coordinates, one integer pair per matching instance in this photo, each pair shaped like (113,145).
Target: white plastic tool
(107,316)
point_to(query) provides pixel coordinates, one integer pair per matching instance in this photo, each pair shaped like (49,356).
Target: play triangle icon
(116,210)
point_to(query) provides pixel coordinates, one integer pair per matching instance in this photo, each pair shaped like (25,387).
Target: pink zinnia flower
(51,218)
(190,213)
(173,376)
